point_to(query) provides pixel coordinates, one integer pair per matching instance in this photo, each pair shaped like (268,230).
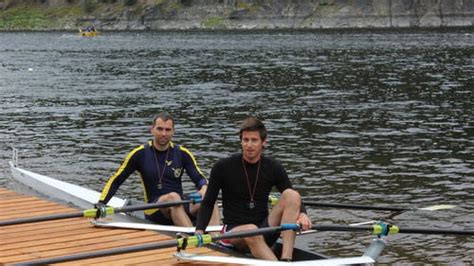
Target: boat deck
(33,241)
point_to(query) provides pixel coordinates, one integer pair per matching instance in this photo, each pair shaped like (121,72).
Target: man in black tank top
(246,181)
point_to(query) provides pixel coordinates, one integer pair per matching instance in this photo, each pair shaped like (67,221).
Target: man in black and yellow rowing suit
(161,164)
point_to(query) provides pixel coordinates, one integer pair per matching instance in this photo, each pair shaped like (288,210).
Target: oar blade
(438,207)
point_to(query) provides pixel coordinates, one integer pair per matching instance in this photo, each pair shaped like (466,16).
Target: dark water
(355,117)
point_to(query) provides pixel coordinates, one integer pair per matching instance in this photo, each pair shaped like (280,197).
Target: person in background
(161,164)
(90,28)
(246,180)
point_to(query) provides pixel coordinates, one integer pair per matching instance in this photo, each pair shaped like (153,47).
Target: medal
(251,205)
(251,192)
(159,186)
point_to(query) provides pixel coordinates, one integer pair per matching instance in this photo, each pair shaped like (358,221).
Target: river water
(366,117)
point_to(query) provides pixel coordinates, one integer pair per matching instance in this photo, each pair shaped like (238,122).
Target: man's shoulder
(229,159)
(181,149)
(268,160)
(138,149)
(233,158)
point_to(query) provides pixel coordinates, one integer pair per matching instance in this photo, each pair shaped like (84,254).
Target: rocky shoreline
(233,14)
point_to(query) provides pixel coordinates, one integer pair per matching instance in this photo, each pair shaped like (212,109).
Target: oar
(274,200)
(180,243)
(91,213)
(375,207)
(381,228)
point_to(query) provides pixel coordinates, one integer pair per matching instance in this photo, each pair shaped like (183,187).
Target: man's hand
(304,221)
(202,191)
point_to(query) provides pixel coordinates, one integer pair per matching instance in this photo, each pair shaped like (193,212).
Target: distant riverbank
(233,14)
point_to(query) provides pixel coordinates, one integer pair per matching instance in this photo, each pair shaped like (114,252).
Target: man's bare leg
(215,218)
(286,212)
(177,213)
(256,244)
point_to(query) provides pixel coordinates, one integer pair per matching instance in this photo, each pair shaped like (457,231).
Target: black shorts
(159,218)
(270,238)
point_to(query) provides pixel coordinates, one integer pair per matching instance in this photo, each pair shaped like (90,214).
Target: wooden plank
(150,257)
(46,246)
(26,242)
(33,213)
(8,193)
(79,248)
(49,241)
(37,208)
(17,206)
(39,225)
(19,200)
(20,197)
(62,231)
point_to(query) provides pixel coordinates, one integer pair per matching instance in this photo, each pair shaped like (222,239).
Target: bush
(88,6)
(129,2)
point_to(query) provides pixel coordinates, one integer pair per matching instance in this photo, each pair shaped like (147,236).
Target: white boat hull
(154,227)
(60,190)
(363,260)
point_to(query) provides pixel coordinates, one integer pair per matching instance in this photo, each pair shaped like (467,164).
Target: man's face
(252,146)
(163,132)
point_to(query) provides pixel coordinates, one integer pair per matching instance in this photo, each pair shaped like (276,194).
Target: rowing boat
(84,198)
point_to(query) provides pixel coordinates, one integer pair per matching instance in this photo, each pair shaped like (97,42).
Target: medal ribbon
(162,173)
(251,192)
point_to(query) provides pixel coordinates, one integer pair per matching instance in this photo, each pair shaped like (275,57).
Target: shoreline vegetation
(137,15)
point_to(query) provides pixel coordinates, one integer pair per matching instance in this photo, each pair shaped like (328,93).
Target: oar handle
(164,204)
(259,231)
(92,213)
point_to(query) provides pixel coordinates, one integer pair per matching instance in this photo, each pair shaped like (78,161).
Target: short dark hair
(253,124)
(165,116)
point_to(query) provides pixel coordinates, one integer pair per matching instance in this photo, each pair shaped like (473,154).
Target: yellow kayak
(88,33)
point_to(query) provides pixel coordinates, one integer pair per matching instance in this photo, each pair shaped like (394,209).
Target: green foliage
(137,10)
(186,3)
(21,17)
(71,11)
(245,5)
(174,6)
(88,6)
(129,2)
(326,2)
(214,23)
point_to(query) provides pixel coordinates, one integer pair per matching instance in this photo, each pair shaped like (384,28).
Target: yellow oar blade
(438,207)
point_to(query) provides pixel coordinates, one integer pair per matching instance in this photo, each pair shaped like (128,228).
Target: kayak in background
(89,31)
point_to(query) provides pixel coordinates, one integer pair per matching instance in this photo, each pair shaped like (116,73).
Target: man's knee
(251,240)
(254,240)
(291,197)
(172,196)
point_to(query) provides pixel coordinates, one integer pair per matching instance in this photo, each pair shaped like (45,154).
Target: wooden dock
(33,241)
